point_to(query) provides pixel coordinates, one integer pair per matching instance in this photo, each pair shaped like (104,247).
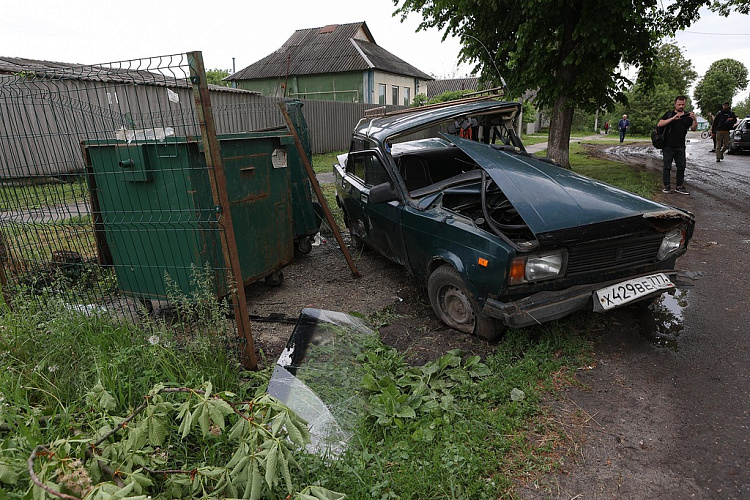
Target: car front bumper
(550,305)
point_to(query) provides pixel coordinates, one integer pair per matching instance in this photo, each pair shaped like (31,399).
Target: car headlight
(537,267)
(672,242)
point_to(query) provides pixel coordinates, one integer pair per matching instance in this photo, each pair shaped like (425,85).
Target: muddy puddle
(662,322)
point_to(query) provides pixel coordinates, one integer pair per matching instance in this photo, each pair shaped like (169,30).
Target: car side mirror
(383,193)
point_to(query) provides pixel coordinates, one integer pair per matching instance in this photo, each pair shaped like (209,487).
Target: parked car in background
(739,137)
(502,238)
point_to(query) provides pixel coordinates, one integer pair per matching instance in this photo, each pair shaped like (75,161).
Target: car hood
(550,198)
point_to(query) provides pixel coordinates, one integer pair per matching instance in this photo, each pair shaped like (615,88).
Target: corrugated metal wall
(40,119)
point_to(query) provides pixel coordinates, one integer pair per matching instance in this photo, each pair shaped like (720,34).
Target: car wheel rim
(457,309)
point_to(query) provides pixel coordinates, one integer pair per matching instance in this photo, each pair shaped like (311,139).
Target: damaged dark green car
(501,238)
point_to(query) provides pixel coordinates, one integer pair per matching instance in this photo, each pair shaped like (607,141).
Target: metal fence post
(219,188)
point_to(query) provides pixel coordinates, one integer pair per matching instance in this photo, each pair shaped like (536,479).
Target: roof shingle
(330,49)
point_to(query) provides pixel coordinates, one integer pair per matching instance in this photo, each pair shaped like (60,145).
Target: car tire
(356,241)
(455,306)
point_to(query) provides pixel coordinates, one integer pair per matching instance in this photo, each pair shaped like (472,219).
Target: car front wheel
(455,306)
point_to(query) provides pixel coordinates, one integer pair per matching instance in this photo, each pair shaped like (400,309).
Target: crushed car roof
(384,127)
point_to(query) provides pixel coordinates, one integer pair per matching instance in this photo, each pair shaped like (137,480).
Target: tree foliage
(671,68)
(138,456)
(646,106)
(723,79)
(742,108)
(574,53)
(215,77)
(653,94)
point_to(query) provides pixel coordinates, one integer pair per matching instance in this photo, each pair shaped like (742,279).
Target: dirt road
(670,406)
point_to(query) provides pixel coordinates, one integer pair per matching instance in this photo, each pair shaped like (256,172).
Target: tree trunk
(558,144)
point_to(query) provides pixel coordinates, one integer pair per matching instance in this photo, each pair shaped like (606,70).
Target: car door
(377,224)
(745,131)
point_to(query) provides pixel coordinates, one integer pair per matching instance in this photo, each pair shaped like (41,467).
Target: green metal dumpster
(156,220)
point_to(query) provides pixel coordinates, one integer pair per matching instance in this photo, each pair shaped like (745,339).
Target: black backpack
(658,135)
(657,138)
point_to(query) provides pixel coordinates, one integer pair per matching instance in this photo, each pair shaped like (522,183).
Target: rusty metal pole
(221,198)
(318,192)
(3,277)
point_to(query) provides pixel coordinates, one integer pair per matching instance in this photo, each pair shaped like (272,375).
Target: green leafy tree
(449,95)
(656,87)
(723,79)
(742,108)
(215,77)
(529,112)
(419,100)
(672,69)
(646,106)
(574,53)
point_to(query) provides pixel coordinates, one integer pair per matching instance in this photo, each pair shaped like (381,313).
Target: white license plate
(628,291)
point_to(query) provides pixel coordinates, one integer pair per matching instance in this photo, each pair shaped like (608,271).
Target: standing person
(711,119)
(623,125)
(606,128)
(677,123)
(724,122)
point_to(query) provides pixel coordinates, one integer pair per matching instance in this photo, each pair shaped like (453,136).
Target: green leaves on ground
(130,457)
(403,393)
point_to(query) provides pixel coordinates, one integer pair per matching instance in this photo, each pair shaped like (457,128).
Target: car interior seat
(414,172)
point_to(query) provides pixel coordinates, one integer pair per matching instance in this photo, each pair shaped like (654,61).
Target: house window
(394,99)
(407,97)
(381,93)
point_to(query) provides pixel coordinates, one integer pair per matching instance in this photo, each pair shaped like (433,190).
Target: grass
(476,444)
(324,162)
(470,435)
(639,181)
(529,139)
(636,180)
(38,195)
(329,193)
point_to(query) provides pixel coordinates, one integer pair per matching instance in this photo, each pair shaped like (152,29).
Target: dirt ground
(657,416)
(323,280)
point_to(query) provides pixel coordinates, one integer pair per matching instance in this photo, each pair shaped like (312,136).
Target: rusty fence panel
(107,200)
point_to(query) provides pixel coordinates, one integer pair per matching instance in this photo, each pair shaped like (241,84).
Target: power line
(718,34)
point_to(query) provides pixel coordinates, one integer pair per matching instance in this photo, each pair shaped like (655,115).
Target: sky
(240,33)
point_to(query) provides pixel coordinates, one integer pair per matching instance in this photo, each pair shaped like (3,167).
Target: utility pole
(596,121)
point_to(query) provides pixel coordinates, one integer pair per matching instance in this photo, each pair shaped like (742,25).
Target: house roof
(437,87)
(108,73)
(336,48)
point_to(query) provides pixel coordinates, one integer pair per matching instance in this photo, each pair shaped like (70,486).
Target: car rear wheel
(356,241)
(455,306)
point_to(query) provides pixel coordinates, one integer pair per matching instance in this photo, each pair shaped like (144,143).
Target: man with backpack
(676,124)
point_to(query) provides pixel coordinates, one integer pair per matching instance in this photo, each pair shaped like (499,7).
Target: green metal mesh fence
(111,202)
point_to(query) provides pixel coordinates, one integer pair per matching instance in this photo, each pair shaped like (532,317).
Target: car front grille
(613,255)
